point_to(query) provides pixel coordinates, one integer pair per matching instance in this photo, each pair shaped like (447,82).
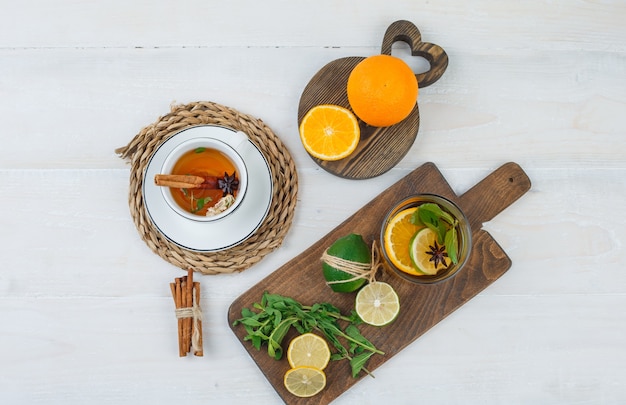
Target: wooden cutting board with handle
(380,148)
(422,306)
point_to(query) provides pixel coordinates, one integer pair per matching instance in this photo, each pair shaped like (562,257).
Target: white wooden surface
(85,310)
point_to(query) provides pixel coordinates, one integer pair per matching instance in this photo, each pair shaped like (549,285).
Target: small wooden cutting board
(422,306)
(380,148)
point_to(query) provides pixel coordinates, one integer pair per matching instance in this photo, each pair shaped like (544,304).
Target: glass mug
(463,231)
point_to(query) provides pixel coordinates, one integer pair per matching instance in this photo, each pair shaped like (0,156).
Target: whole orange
(382,90)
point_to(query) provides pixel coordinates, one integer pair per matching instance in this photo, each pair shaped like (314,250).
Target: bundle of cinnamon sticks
(186,294)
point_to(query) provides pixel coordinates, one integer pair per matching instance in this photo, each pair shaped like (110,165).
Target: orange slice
(397,239)
(329,132)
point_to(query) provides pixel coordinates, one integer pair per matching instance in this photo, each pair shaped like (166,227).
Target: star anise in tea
(228,184)
(438,254)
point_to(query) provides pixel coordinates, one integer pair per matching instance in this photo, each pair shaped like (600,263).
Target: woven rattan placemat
(270,234)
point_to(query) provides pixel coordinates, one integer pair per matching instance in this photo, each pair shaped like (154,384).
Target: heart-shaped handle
(406,31)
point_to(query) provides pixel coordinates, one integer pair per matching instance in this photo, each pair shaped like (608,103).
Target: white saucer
(222,233)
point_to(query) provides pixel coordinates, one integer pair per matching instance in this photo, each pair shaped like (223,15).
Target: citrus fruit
(353,248)
(422,243)
(309,350)
(304,381)
(377,304)
(382,90)
(397,239)
(329,132)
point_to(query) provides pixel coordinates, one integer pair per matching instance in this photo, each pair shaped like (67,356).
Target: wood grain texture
(423,306)
(86,314)
(407,32)
(380,148)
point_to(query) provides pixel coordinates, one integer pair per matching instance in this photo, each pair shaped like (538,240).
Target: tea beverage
(210,163)
(425,239)
(215,177)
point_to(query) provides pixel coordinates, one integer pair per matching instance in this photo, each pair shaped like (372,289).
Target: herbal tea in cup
(425,239)
(204,179)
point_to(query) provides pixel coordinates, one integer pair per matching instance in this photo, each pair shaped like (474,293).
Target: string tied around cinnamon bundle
(358,270)
(195,313)
(186,294)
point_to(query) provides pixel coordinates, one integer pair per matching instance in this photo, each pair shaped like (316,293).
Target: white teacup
(229,147)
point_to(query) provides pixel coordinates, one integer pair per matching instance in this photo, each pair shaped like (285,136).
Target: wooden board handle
(406,31)
(494,193)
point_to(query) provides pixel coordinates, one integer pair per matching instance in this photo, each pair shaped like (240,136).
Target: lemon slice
(309,350)
(377,304)
(304,381)
(421,243)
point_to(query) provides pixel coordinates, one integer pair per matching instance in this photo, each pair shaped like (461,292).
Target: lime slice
(377,304)
(310,350)
(304,381)
(420,245)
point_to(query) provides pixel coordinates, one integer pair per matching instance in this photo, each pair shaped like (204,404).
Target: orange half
(329,132)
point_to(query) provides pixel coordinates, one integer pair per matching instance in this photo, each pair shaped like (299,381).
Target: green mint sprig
(442,223)
(277,314)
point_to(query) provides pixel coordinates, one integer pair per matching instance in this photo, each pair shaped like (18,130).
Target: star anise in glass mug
(438,255)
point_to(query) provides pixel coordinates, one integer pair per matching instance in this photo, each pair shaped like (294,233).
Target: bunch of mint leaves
(442,223)
(277,314)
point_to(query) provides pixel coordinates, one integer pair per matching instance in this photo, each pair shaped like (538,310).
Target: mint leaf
(274,348)
(415,219)
(448,218)
(360,342)
(201,202)
(428,217)
(358,362)
(431,219)
(432,208)
(451,242)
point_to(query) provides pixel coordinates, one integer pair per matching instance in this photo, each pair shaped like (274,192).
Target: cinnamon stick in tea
(186,181)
